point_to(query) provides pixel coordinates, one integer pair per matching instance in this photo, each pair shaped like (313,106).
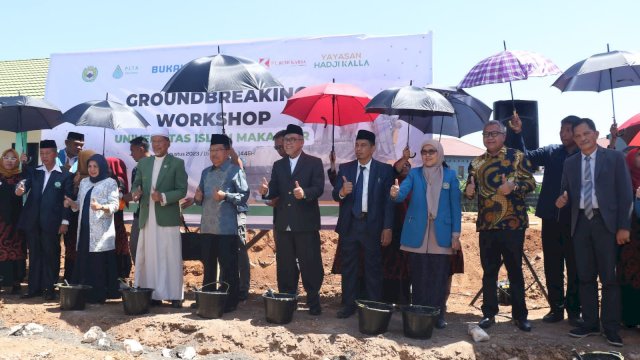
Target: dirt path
(245,334)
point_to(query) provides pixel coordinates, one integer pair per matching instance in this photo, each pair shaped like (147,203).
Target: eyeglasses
(429,152)
(9,158)
(290,140)
(492,134)
(278,147)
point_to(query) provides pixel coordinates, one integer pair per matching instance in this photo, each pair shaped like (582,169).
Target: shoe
(193,305)
(613,338)
(576,321)
(315,310)
(345,312)
(242,296)
(176,304)
(486,322)
(553,316)
(581,332)
(523,325)
(228,309)
(156,302)
(441,324)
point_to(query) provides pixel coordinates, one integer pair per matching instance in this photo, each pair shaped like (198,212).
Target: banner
(135,77)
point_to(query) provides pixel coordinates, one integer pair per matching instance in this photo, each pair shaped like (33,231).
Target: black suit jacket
(380,208)
(45,210)
(612,187)
(303,214)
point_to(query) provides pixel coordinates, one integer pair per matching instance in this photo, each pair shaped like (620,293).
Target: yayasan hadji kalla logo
(90,73)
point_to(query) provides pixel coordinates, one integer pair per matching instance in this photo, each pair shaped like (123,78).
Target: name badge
(446,185)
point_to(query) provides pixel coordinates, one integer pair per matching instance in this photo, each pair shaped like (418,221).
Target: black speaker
(528,112)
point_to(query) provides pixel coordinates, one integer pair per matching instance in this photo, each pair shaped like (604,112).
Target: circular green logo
(90,73)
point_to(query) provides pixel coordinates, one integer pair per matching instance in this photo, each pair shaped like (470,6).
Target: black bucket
(373,317)
(211,303)
(73,297)
(136,301)
(418,321)
(279,307)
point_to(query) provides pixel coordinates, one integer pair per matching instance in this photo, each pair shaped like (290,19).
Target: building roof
(23,77)
(457,147)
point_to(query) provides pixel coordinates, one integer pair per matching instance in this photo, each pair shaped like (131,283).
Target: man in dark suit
(44,218)
(297,181)
(597,186)
(365,220)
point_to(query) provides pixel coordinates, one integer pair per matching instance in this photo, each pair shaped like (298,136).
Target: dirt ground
(244,334)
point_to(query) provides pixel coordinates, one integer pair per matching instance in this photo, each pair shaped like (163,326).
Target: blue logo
(117,73)
(161,69)
(90,73)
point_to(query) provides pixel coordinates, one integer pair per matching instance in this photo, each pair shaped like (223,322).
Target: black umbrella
(409,101)
(605,71)
(470,114)
(105,114)
(25,113)
(221,73)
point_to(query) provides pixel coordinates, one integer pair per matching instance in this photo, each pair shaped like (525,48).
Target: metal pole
(333,123)
(513,104)
(613,104)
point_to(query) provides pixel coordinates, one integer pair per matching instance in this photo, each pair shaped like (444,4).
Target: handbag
(457,262)
(191,243)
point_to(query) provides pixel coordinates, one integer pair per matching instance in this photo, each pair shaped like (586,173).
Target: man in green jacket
(160,183)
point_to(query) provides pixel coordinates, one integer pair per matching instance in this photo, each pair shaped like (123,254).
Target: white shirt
(293,162)
(592,164)
(365,183)
(47,174)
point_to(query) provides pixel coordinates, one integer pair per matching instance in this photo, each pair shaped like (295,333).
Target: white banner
(136,76)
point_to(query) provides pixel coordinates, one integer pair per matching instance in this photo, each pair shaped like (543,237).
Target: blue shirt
(552,158)
(221,217)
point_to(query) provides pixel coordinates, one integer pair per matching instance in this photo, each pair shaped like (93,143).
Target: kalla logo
(90,73)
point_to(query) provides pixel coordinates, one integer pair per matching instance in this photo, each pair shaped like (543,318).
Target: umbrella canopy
(409,100)
(601,72)
(25,113)
(105,114)
(629,129)
(220,73)
(343,104)
(507,66)
(470,115)
(605,71)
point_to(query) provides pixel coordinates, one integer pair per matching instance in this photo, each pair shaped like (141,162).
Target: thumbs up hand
(347,187)
(470,189)
(95,206)
(395,188)
(507,186)
(562,200)
(298,192)
(264,187)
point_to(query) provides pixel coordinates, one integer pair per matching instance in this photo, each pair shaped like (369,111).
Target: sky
(464,32)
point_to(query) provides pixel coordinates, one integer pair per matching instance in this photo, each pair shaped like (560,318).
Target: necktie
(587,188)
(357,205)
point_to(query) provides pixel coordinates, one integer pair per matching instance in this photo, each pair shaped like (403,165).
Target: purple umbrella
(508,66)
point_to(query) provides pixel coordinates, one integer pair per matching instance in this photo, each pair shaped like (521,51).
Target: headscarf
(83,158)
(433,175)
(103,168)
(119,170)
(633,169)
(7,173)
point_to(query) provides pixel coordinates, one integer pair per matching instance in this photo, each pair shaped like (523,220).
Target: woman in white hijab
(431,230)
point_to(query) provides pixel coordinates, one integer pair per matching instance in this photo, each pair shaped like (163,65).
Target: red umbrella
(629,129)
(338,104)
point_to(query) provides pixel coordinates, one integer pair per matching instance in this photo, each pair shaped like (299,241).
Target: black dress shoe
(613,338)
(576,321)
(345,312)
(581,332)
(553,316)
(176,304)
(523,325)
(486,322)
(315,310)
(441,324)
(156,302)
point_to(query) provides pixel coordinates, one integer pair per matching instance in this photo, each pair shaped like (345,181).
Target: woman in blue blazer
(431,230)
